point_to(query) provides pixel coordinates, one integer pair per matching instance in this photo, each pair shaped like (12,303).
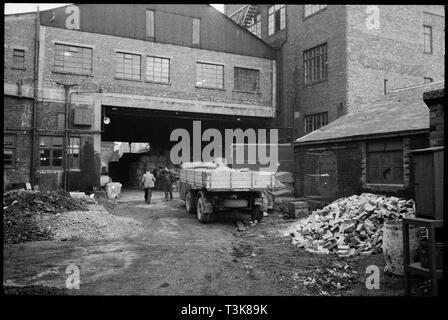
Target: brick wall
(394,51)
(19,33)
(182,69)
(352,167)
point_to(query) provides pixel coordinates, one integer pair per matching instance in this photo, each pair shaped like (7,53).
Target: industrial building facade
(149,69)
(332,59)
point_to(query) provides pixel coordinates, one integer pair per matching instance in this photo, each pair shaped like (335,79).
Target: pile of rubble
(97,223)
(23,211)
(56,215)
(350,226)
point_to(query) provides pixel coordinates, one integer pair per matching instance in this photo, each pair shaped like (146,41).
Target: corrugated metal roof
(402,110)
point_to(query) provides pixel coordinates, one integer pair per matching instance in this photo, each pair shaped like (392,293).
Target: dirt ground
(177,255)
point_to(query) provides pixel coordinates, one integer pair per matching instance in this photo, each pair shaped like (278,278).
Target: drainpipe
(385,86)
(35,95)
(66,133)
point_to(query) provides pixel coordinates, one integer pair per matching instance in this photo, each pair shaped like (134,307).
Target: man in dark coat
(167,183)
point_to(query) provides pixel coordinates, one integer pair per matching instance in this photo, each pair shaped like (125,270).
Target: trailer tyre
(203,217)
(190,202)
(257,214)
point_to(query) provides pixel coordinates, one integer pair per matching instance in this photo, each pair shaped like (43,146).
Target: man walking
(167,179)
(148,181)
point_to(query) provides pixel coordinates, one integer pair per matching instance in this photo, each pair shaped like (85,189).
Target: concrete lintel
(169,104)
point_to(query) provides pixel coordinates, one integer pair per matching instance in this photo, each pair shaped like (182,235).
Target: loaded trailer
(208,188)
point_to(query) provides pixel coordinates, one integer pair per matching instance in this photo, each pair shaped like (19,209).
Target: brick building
(148,68)
(367,150)
(334,58)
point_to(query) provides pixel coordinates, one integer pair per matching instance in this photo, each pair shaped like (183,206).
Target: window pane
(315,64)
(209,75)
(45,141)
(45,158)
(57,158)
(73,59)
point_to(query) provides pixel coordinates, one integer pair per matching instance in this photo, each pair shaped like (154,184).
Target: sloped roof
(400,111)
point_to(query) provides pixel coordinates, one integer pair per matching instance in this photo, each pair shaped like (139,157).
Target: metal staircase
(245,15)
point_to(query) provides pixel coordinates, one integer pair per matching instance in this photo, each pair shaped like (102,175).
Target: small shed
(368,150)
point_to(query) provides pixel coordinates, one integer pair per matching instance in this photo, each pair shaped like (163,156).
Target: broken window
(18,59)
(127,66)
(9,151)
(50,149)
(209,75)
(315,121)
(315,64)
(276,18)
(385,161)
(247,79)
(158,69)
(311,9)
(72,59)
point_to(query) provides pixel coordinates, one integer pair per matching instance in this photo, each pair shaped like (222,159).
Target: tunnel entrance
(142,127)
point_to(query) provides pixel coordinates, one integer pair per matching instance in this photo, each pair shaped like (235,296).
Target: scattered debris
(350,226)
(240,226)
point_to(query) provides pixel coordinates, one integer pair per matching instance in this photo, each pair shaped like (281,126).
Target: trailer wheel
(203,216)
(190,202)
(257,214)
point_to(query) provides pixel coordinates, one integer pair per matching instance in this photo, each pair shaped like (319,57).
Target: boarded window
(276,18)
(9,151)
(427,38)
(315,121)
(311,9)
(385,161)
(158,69)
(50,149)
(61,121)
(127,66)
(18,59)
(73,153)
(196,31)
(209,75)
(150,24)
(315,64)
(73,59)
(247,79)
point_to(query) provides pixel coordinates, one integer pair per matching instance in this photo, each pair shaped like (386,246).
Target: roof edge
(363,137)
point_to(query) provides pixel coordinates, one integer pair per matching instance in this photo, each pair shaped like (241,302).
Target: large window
(158,69)
(385,161)
(9,151)
(315,121)
(50,152)
(276,18)
(311,9)
(247,79)
(209,75)
(427,38)
(315,64)
(255,25)
(127,66)
(72,59)
(18,59)
(73,153)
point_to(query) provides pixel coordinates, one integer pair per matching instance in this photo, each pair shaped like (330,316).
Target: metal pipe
(35,95)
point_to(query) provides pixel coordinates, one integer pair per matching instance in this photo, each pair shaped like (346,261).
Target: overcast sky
(28,7)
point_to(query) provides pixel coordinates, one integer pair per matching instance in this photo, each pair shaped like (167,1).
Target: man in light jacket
(148,181)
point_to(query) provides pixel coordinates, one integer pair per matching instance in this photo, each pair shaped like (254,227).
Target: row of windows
(315,121)
(50,152)
(78,60)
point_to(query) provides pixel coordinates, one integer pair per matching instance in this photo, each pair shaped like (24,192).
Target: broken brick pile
(350,226)
(23,210)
